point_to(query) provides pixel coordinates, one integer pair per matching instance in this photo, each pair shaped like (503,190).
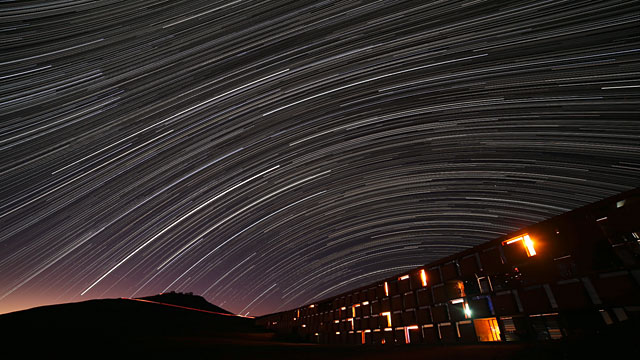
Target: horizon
(266,154)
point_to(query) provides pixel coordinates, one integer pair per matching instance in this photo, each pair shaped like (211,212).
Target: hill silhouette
(160,323)
(187,300)
(186,326)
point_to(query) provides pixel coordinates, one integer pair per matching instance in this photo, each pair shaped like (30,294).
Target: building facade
(570,275)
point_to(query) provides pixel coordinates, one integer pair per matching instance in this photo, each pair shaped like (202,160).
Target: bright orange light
(386,289)
(388,315)
(461,288)
(403,277)
(511,241)
(353,311)
(487,329)
(528,245)
(526,241)
(423,277)
(363,337)
(351,321)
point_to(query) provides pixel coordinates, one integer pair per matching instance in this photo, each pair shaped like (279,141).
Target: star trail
(266,154)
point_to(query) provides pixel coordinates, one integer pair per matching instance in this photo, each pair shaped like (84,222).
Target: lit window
(423,277)
(386,289)
(461,288)
(388,315)
(487,329)
(528,244)
(407,336)
(526,241)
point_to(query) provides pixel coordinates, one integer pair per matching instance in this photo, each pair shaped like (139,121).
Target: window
(526,241)
(388,315)
(485,284)
(423,277)
(487,329)
(546,326)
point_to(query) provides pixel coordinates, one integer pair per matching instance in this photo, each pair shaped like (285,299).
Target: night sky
(266,154)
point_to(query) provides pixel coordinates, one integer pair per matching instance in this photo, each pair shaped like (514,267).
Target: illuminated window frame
(388,315)
(407,335)
(526,242)
(423,277)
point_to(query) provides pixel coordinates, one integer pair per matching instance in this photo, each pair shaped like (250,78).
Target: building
(567,276)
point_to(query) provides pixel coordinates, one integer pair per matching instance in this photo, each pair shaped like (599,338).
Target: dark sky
(266,154)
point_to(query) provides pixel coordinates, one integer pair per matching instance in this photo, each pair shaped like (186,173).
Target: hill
(187,300)
(139,325)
